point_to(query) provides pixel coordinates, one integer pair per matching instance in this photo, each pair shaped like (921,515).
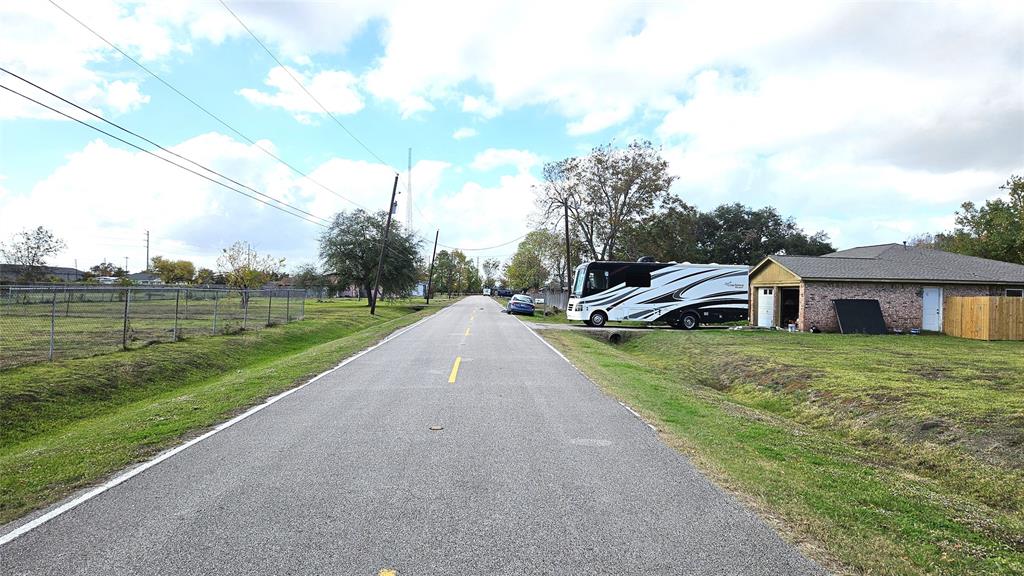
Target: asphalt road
(534,472)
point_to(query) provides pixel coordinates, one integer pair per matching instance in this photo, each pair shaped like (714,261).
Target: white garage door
(766,307)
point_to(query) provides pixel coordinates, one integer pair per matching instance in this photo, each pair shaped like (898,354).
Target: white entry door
(932,314)
(766,307)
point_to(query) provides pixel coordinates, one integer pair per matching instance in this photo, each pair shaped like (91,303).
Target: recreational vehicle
(682,295)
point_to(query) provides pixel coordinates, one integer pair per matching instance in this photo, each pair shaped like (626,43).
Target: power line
(119,139)
(301,85)
(141,137)
(516,239)
(201,107)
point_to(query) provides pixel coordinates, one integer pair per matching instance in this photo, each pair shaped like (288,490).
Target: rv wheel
(689,321)
(598,319)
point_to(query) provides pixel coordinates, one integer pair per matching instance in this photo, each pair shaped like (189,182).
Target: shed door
(932,314)
(766,307)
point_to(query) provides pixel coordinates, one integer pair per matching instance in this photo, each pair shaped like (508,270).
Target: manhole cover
(436,427)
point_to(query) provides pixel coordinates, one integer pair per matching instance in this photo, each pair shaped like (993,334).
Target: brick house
(910,283)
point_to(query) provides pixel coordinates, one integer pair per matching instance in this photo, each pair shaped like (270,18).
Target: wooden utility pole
(383,246)
(430,275)
(568,254)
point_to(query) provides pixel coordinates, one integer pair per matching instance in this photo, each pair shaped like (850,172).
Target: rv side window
(638,279)
(597,281)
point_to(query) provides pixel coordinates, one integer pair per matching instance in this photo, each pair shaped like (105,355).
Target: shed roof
(896,262)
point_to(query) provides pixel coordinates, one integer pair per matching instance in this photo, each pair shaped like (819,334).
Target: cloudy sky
(872,121)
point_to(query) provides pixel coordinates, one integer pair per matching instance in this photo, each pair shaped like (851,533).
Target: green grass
(71,423)
(90,323)
(891,455)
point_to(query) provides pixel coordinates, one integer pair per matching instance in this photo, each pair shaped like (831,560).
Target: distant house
(15,273)
(911,285)
(145,278)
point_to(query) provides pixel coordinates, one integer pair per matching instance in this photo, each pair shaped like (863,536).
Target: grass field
(882,455)
(69,424)
(87,323)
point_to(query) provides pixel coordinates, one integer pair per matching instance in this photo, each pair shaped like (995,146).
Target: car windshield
(521,298)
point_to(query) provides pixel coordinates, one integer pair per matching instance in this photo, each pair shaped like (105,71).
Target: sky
(871,121)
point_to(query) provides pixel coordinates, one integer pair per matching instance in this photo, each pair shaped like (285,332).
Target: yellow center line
(467,331)
(387,572)
(455,370)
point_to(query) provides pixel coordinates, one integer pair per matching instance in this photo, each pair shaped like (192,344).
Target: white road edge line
(562,356)
(29,526)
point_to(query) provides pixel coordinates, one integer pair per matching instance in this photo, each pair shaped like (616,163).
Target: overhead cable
(303,87)
(141,137)
(205,110)
(172,163)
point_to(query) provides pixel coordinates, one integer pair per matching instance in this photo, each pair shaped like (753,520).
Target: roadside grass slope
(69,424)
(889,455)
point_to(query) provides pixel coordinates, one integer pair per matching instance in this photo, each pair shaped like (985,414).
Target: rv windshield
(581,275)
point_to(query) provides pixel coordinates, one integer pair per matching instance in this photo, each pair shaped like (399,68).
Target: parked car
(504,293)
(520,304)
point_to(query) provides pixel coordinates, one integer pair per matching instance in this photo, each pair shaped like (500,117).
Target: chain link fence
(40,323)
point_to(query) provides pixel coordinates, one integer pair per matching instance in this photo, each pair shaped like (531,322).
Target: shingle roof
(899,262)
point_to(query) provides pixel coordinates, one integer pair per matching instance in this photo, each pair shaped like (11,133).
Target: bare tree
(604,193)
(30,249)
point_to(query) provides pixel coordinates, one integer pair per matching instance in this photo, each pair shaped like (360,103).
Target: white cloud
(124,96)
(463,133)
(335,89)
(493,158)
(102,199)
(480,105)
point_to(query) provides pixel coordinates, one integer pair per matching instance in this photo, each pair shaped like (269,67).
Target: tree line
(619,207)
(994,230)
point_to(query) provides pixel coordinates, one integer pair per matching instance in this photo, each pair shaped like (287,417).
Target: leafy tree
(527,270)
(244,268)
(995,230)
(668,235)
(550,248)
(108,269)
(454,273)
(491,268)
(173,271)
(308,275)
(350,248)
(204,277)
(30,249)
(606,192)
(736,234)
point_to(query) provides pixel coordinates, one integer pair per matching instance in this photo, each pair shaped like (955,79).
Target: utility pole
(430,275)
(147,250)
(408,189)
(383,246)
(125,264)
(568,254)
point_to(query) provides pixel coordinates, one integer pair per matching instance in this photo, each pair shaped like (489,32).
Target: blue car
(520,304)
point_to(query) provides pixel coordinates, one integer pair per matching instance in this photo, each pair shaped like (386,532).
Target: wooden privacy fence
(984,317)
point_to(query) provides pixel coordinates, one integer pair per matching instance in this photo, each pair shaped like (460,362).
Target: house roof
(896,262)
(47,269)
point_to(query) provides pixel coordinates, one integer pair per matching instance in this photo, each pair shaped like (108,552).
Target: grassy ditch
(68,424)
(888,455)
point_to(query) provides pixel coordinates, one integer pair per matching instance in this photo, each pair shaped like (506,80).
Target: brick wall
(901,303)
